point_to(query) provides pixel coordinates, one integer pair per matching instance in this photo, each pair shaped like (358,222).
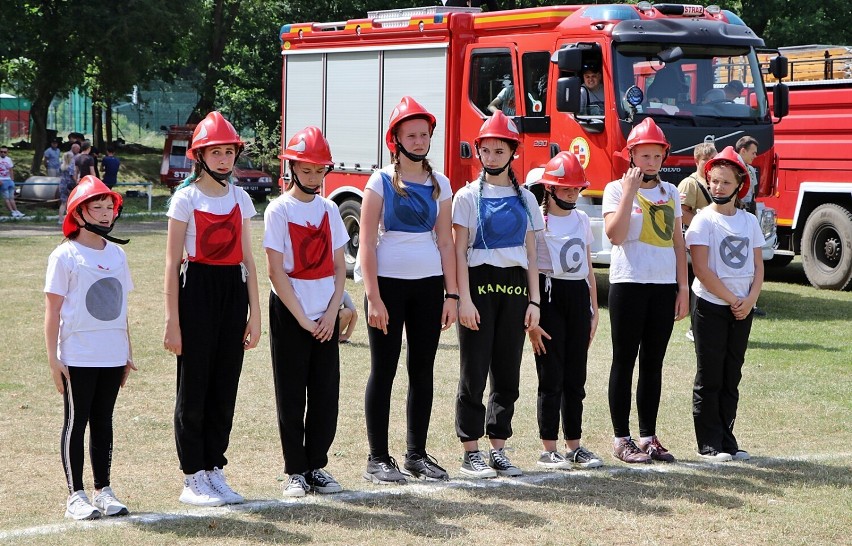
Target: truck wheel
(827,247)
(350,211)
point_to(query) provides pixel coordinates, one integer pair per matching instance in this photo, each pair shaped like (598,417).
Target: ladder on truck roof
(815,62)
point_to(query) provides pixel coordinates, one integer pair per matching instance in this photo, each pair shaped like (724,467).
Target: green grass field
(795,419)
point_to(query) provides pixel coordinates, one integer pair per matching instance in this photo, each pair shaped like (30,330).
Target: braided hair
(545,202)
(513,146)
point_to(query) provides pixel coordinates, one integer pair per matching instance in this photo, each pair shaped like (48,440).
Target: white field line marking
(412,488)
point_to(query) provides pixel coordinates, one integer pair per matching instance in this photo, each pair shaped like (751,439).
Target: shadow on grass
(535,500)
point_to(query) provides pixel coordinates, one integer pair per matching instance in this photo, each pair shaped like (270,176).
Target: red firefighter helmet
(310,146)
(564,170)
(214,130)
(647,132)
(729,155)
(88,187)
(499,125)
(408,108)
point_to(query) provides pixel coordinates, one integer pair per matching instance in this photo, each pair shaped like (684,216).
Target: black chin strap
(100,230)
(728,199)
(302,187)
(495,171)
(564,205)
(221,178)
(412,156)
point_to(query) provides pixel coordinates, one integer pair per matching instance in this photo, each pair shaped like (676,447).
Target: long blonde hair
(67,160)
(398,186)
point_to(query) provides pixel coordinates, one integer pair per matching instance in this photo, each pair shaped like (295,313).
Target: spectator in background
(7,182)
(110,164)
(734,90)
(347,317)
(66,183)
(51,158)
(505,99)
(746,147)
(84,164)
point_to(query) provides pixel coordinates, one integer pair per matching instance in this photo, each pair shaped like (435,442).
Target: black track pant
(307,389)
(720,345)
(641,319)
(89,399)
(566,316)
(415,304)
(213,307)
(493,352)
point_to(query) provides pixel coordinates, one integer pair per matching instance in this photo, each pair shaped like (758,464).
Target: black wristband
(537,304)
(451,297)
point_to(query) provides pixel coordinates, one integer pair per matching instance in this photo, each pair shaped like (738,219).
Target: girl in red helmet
(648,288)
(304,242)
(407,263)
(212,309)
(569,313)
(88,341)
(725,243)
(494,220)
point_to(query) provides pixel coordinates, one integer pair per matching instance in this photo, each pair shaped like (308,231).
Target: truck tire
(350,211)
(827,247)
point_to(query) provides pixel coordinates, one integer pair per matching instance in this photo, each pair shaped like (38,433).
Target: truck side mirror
(568,94)
(778,67)
(780,99)
(570,60)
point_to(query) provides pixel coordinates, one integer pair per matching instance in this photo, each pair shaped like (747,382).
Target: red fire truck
(345,77)
(813,189)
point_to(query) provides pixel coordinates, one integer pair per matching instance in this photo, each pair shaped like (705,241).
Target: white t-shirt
(561,247)
(502,217)
(646,255)
(731,241)
(92,319)
(187,199)
(6,166)
(402,254)
(317,245)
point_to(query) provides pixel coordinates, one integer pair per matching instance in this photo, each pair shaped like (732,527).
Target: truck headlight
(767,223)
(265,180)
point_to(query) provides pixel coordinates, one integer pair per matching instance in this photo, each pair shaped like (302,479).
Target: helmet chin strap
(301,186)
(495,171)
(221,178)
(564,205)
(728,199)
(648,177)
(100,230)
(412,156)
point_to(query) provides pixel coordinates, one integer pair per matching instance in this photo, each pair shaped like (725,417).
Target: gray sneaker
(383,471)
(108,505)
(424,467)
(583,458)
(79,507)
(554,460)
(474,466)
(499,461)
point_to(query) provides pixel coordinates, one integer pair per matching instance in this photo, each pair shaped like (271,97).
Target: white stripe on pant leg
(69,427)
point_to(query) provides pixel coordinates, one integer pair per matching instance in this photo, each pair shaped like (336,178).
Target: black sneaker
(583,458)
(322,482)
(498,460)
(424,467)
(383,470)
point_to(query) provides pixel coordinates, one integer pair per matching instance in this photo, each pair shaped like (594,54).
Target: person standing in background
(51,158)
(111,164)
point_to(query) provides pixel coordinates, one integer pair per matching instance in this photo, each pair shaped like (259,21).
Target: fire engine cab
(665,61)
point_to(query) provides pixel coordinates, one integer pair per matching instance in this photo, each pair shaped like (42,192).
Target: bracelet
(537,304)
(451,297)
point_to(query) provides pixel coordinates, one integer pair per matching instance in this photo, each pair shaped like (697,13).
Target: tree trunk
(97,125)
(108,116)
(38,135)
(221,21)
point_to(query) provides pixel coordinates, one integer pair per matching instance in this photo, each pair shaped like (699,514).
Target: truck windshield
(707,81)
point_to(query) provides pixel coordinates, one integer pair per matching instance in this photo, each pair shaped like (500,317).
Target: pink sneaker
(655,449)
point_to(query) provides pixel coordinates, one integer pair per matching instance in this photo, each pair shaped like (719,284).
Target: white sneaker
(197,491)
(714,456)
(79,507)
(17,214)
(216,481)
(741,455)
(296,486)
(106,502)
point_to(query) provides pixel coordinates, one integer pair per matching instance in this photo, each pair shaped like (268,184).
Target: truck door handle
(465,150)
(554,149)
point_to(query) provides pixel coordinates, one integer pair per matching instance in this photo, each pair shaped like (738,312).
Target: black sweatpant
(493,352)
(416,304)
(213,307)
(641,320)
(720,346)
(566,316)
(307,388)
(89,399)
